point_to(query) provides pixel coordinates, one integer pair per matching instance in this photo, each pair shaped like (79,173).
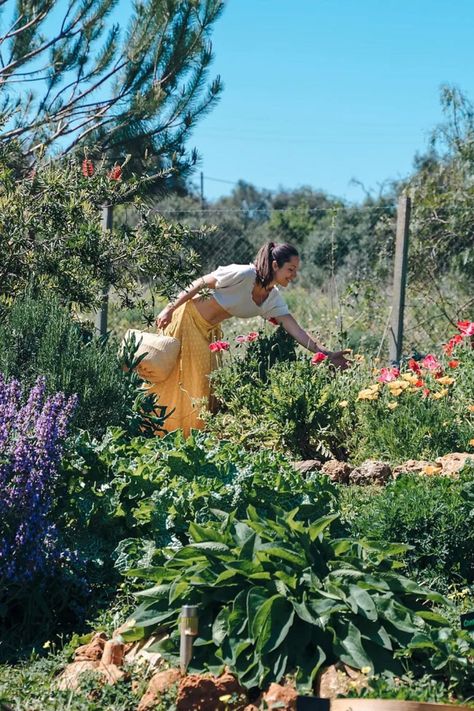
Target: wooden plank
(399,279)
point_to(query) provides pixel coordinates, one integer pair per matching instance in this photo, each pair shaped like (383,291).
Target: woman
(242,290)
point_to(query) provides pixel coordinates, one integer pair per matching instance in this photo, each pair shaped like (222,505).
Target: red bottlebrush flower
(318,358)
(252,336)
(453,363)
(430,362)
(219,346)
(273,321)
(388,374)
(466,327)
(116,173)
(87,168)
(413,365)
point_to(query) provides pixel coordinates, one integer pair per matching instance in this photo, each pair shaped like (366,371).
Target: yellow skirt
(188,383)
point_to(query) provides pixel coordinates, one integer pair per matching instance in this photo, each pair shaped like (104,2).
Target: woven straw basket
(160,354)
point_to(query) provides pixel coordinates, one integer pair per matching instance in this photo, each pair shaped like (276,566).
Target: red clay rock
(93,650)
(204,693)
(411,466)
(159,684)
(280,697)
(337,471)
(113,652)
(69,680)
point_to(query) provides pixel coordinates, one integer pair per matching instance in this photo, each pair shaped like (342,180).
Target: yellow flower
(343,403)
(225,698)
(368,394)
(392,405)
(431,469)
(359,358)
(471,442)
(410,378)
(366,670)
(396,393)
(470,408)
(446,380)
(440,393)
(397,384)
(47,645)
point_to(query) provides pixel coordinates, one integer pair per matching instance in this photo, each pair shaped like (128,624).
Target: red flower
(318,358)
(115,173)
(252,336)
(273,321)
(87,168)
(453,363)
(448,347)
(413,365)
(388,374)
(426,392)
(219,346)
(466,327)
(430,362)
(419,383)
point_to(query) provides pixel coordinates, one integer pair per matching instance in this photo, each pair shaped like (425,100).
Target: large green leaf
(272,623)
(352,650)
(364,602)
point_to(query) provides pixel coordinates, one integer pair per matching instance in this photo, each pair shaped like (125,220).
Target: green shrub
(434,515)
(279,596)
(38,336)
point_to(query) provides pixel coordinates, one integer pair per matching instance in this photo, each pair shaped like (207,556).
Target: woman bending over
(242,290)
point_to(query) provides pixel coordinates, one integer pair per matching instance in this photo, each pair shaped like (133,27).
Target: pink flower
(241,339)
(219,346)
(252,336)
(388,374)
(430,362)
(466,327)
(318,358)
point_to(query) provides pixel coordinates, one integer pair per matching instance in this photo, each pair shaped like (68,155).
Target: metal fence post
(399,279)
(103,312)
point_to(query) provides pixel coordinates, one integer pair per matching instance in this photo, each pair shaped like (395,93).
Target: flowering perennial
(219,346)
(31,441)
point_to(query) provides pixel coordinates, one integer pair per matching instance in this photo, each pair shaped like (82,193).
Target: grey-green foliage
(125,85)
(279,595)
(39,336)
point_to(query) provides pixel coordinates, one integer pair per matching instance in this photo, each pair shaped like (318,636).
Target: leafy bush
(38,336)
(278,595)
(434,515)
(153,488)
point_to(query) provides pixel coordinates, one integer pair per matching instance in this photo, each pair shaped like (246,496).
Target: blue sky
(321,92)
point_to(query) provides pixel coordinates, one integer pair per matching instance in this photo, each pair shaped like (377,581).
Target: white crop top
(233,292)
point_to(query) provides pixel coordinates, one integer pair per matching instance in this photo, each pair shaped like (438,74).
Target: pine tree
(70,76)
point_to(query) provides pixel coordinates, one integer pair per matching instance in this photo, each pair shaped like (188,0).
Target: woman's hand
(164,317)
(338,359)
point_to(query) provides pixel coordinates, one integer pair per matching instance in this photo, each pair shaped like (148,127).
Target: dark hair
(270,252)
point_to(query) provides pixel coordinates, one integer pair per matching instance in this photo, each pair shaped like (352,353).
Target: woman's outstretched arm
(208,281)
(292,327)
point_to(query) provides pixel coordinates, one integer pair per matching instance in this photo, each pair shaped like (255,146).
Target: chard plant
(279,595)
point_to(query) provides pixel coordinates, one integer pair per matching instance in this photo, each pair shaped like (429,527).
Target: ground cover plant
(280,595)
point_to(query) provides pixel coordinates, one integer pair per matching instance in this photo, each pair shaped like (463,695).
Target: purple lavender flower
(31,443)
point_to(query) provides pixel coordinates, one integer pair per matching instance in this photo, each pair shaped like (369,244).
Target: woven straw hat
(160,354)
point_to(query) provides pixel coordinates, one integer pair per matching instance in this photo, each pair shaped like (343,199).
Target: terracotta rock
(371,472)
(251,707)
(337,471)
(280,697)
(338,679)
(113,652)
(203,693)
(93,650)
(138,652)
(411,466)
(454,462)
(307,465)
(159,684)
(69,679)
